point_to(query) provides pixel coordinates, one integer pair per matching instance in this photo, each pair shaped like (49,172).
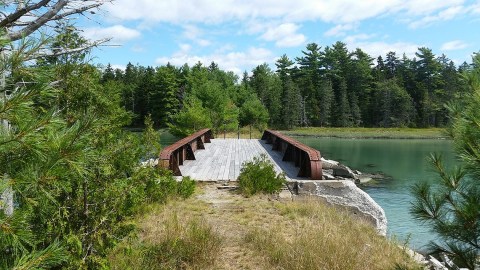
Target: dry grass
(220,229)
(322,237)
(168,239)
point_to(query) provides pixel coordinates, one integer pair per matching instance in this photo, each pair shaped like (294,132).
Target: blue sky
(239,35)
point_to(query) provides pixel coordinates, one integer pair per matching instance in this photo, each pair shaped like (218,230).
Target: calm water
(404,161)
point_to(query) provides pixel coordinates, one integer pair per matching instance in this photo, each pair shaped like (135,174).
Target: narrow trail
(225,215)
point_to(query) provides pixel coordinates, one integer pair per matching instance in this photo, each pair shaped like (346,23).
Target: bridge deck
(222,159)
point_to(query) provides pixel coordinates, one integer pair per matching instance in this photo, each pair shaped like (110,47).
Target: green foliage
(191,118)
(259,176)
(254,113)
(451,207)
(71,166)
(329,86)
(151,139)
(394,105)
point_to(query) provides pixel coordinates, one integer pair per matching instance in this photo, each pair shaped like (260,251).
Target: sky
(239,35)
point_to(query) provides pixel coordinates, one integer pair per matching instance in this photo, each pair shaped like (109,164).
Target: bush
(259,176)
(158,185)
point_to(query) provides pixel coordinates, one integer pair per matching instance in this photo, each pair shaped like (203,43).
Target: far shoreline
(369,133)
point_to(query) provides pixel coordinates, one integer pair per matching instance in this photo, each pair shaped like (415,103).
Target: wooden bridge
(204,158)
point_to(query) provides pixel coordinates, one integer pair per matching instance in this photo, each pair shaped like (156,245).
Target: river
(404,162)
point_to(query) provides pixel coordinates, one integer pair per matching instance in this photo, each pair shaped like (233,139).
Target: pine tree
(291,97)
(451,207)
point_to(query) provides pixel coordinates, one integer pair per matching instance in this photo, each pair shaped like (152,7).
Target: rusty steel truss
(305,157)
(173,155)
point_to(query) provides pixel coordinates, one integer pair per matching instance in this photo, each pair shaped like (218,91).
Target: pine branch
(53,255)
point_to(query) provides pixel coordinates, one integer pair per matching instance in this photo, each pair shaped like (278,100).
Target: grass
(244,133)
(374,133)
(169,240)
(323,237)
(221,229)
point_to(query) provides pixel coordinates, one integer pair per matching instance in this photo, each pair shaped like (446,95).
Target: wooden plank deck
(222,160)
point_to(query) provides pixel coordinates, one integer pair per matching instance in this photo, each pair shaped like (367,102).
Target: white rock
(346,194)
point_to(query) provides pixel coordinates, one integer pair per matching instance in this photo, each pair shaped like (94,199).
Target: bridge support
(173,155)
(306,158)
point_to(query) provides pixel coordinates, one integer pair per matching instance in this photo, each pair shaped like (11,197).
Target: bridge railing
(174,155)
(305,157)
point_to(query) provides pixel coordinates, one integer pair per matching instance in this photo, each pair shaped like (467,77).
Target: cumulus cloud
(235,61)
(340,30)
(377,48)
(284,35)
(443,15)
(118,33)
(194,33)
(212,11)
(453,45)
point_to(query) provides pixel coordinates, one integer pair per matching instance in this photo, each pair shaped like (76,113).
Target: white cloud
(213,11)
(234,61)
(356,38)
(340,30)
(195,34)
(453,45)
(443,15)
(377,48)
(118,33)
(284,35)
(121,67)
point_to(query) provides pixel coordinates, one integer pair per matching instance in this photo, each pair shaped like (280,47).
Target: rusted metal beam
(173,155)
(305,157)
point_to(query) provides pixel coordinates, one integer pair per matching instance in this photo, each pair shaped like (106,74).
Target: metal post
(224,130)
(250,132)
(238,132)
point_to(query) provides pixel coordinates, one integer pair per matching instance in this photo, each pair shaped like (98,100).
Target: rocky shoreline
(339,188)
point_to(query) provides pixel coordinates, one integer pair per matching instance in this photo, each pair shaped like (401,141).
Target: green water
(403,161)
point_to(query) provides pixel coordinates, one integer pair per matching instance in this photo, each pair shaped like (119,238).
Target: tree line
(324,87)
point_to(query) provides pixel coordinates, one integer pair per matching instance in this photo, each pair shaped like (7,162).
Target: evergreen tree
(342,109)
(310,83)
(451,207)
(191,118)
(394,105)
(108,74)
(163,97)
(391,65)
(359,83)
(291,97)
(428,79)
(326,92)
(254,113)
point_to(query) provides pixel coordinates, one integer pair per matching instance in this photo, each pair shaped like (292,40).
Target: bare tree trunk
(7,195)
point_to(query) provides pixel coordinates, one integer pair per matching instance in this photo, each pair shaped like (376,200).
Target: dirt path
(226,211)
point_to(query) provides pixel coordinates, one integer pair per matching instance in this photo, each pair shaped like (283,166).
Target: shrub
(259,176)
(186,187)
(157,185)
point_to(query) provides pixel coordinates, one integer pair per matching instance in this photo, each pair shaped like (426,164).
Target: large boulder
(345,194)
(343,171)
